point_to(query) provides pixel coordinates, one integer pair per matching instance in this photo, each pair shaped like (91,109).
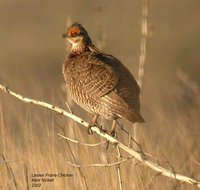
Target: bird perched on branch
(99,82)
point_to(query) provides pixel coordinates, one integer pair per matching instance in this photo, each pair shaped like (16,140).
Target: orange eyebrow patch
(73,30)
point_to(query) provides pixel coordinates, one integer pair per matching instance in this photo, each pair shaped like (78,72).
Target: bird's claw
(89,130)
(113,134)
(102,130)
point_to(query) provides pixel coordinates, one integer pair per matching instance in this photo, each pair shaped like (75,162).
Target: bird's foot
(93,123)
(113,134)
(102,130)
(107,144)
(89,130)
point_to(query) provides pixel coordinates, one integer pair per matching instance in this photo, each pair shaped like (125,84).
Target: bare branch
(10,161)
(70,110)
(143,42)
(75,161)
(10,173)
(26,177)
(100,165)
(151,180)
(118,169)
(198,163)
(77,142)
(140,156)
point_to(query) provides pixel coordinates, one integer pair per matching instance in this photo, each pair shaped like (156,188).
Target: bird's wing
(99,77)
(103,76)
(108,77)
(126,92)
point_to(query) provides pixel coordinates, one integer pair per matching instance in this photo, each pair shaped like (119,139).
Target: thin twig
(143,54)
(151,180)
(143,43)
(198,163)
(177,186)
(129,140)
(118,169)
(100,165)
(26,177)
(129,136)
(70,110)
(77,142)
(8,184)
(7,161)
(74,159)
(10,172)
(120,157)
(140,156)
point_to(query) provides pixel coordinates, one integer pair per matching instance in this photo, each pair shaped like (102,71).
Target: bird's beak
(63,36)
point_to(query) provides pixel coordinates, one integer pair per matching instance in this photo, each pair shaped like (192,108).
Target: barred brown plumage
(99,82)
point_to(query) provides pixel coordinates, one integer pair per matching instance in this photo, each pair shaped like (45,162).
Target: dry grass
(29,145)
(28,140)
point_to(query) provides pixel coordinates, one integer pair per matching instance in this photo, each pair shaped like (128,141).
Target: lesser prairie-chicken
(99,82)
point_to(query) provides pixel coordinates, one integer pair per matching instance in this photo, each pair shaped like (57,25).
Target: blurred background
(31,58)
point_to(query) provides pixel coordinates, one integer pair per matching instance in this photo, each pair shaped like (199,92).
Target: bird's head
(77,35)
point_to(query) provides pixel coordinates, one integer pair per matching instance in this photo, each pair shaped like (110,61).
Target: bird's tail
(135,118)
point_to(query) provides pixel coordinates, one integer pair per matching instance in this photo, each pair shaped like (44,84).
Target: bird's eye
(74,32)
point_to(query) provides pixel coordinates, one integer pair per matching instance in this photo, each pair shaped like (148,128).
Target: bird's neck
(78,49)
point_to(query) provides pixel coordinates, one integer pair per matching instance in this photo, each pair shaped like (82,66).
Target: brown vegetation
(31,60)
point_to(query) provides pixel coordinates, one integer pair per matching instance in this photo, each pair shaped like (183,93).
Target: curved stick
(141,156)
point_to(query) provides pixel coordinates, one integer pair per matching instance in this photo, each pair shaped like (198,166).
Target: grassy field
(31,59)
